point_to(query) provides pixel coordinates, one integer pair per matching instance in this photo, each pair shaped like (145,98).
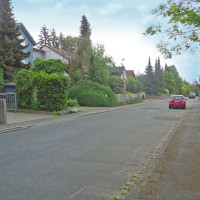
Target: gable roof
(20,25)
(62,53)
(130,73)
(39,50)
(118,69)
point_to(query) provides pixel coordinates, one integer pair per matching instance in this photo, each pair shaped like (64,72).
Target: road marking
(76,193)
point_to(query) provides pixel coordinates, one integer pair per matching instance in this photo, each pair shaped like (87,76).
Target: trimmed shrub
(24,88)
(51,91)
(89,93)
(49,66)
(1,80)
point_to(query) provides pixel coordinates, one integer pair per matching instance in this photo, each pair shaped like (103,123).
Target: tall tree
(159,82)
(183,29)
(85,29)
(61,41)
(149,81)
(54,39)
(11,48)
(44,37)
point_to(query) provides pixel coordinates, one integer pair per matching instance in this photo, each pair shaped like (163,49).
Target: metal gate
(11,100)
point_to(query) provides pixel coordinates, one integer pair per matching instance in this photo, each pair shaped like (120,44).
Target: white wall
(50,54)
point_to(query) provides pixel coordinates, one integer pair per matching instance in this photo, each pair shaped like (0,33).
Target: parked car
(143,95)
(192,95)
(177,101)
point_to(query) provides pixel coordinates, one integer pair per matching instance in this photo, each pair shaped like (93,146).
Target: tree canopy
(181,29)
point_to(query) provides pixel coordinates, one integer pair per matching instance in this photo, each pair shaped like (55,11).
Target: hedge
(89,93)
(24,88)
(51,91)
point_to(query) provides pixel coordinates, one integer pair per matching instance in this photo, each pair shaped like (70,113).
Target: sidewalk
(177,173)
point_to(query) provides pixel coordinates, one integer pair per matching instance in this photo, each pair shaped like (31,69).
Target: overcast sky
(118,24)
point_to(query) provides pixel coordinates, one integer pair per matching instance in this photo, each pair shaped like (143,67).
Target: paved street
(177,175)
(83,158)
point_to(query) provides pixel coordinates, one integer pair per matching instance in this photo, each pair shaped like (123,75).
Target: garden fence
(11,100)
(127,97)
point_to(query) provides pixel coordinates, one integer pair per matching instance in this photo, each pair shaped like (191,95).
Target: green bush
(1,80)
(51,91)
(89,93)
(72,103)
(49,66)
(117,84)
(24,88)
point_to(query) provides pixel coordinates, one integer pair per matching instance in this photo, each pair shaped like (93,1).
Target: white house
(46,52)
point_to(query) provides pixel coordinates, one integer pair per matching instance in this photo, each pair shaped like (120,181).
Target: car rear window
(177,97)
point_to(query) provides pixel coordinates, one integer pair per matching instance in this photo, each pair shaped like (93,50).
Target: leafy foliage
(1,80)
(134,85)
(72,103)
(98,64)
(183,26)
(24,88)
(49,66)
(51,91)
(117,84)
(11,48)
(89,93)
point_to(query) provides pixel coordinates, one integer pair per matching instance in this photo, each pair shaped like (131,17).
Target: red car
(177,101)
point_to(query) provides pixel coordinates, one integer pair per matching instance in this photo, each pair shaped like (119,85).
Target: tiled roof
(39,50)
(63,53)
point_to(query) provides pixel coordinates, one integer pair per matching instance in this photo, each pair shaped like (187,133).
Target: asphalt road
(88,158)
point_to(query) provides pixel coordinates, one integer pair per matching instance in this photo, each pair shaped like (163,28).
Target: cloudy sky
(118,24)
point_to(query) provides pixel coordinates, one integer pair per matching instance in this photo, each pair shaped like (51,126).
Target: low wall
(127,97)
(3,112)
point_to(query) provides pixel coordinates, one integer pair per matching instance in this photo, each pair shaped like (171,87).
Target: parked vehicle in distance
(143,95)
(192,95)
(177,101)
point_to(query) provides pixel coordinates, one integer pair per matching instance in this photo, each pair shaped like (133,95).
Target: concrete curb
(62,118)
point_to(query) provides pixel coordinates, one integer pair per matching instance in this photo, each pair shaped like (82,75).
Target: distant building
(118,71)
(46,52)
(130,73)
(28,41)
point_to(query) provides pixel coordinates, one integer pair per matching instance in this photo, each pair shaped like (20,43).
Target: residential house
(46,52)
(120,71)
(28,41)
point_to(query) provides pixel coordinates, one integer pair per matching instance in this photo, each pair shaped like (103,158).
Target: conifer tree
(44,37)
(11,48)
(61,41)
(85,29)
(149,81)
(159,82)
(54,39)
